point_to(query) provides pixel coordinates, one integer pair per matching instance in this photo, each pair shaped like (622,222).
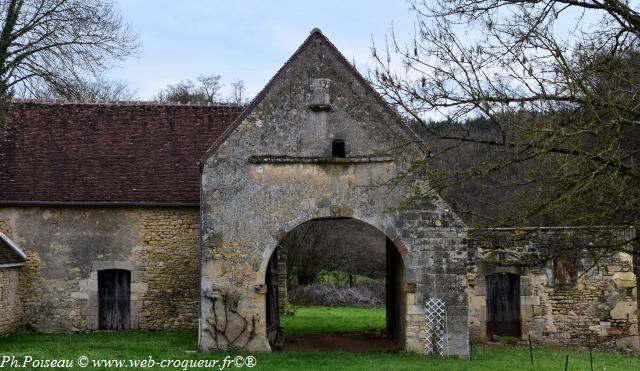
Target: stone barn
(151,216)
(103,200)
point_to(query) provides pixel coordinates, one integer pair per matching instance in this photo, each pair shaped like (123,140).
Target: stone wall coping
(544,228)
(271,159)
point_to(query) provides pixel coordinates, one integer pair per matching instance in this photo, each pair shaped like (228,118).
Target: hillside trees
(555,85)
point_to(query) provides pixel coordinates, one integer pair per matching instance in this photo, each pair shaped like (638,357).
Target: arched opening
(335,284)
(114,299)
(503,305)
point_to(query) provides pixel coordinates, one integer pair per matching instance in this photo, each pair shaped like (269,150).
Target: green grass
(180,345)
(329,320)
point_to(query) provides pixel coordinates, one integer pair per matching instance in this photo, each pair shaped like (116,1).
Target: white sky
(246,39)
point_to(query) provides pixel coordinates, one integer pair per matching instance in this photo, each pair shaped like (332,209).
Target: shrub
(367,295)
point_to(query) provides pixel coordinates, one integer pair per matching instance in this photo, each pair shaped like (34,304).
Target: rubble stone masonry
(67,246)
(598,306)
(10,305)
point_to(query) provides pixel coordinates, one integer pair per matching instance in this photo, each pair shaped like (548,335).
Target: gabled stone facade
(274,170)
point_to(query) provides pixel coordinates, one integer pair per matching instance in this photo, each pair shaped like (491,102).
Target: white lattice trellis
(437,335)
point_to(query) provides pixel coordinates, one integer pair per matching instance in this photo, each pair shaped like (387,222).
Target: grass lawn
(330,320)
(180,346)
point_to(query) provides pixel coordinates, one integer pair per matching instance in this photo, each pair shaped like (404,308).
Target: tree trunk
(5,101)
(636,271)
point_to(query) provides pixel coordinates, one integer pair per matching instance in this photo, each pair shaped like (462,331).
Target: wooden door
(274,331)
(394,293)
(114,299)
(503,305)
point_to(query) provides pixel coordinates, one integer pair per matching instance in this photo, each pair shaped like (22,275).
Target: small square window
(337,148)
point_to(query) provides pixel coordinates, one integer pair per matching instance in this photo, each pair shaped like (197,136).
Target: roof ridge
(122,103)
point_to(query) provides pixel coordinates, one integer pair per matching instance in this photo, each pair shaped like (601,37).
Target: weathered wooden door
(114,293)
(503,305)
(274,331)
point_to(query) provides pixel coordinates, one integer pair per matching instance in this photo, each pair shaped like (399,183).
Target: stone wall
(594,304)
(10,304)
(67,246)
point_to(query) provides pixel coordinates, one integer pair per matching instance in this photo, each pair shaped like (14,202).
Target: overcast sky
(245,39)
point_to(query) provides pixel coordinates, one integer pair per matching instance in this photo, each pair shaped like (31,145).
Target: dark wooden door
(503,305)
(394,293)
(274,331)
(114,293)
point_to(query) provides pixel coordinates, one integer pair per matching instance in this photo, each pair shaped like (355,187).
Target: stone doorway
(372,278)
(503,305)
(114,299)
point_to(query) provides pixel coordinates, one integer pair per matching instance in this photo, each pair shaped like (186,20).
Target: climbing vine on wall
(229,329)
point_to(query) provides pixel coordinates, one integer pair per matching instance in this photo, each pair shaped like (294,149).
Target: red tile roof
(141,153)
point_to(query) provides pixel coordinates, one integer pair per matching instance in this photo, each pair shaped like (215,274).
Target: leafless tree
(206,90)
(557,82)
(238,94)
(96,90)
(336,245)
(210,86)
(56,43)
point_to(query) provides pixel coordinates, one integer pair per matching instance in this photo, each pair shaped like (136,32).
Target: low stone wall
(67,246)
(577,303)
(10,304)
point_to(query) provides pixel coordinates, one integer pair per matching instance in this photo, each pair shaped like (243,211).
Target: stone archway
(235,259)
(349,246)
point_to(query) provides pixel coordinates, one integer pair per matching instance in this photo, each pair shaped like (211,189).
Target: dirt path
(366,342)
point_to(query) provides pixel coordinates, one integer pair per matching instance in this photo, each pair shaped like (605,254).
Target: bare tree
(210,87)
(96,90)
(343,245)
(238,94)
(207,90)
(56,43)
(558,83)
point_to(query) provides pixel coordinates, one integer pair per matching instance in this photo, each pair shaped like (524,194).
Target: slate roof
(9,252)
(107,153)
